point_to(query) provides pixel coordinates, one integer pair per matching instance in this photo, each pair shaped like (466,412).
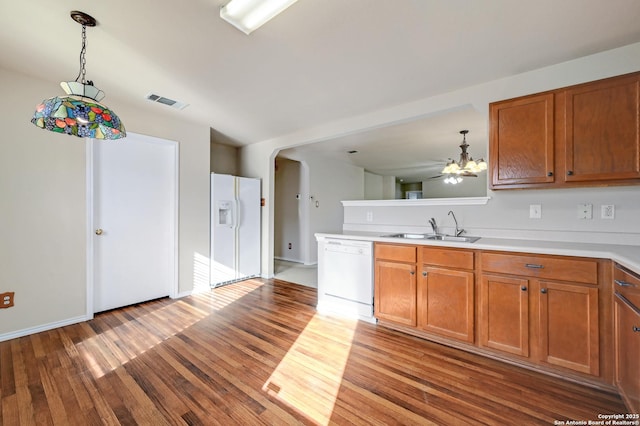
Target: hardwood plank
(257,353)
(52,394)
(26,409)
(10,415)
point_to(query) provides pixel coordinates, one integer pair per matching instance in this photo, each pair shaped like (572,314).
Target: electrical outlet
(535,211)
(6,299)
(585,211)
(607,211)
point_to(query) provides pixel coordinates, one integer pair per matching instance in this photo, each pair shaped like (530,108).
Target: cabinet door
(504,314)
(395,292)
(521,145)
(445,303)
(602,130)
(568,323)
(627,353)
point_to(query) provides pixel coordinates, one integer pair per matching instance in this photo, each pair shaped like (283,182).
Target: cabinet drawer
(398,253)
(574,270)
(627,283)
(462,259)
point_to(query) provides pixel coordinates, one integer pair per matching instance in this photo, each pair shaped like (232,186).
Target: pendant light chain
(82,73)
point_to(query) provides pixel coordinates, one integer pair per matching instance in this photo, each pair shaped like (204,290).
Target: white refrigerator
(235,229)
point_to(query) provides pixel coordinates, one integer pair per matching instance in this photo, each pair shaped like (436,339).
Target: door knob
(98,231)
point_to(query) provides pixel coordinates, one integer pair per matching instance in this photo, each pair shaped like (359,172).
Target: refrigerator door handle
(237,205)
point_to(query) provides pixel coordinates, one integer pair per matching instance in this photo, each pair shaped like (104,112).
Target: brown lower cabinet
(551,313)
(445,298)
(542,308)
(627,336)
(504,314)
(569,328)
(395,283)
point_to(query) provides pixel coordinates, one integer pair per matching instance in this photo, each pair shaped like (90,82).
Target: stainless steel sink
(460,239)
(410,236)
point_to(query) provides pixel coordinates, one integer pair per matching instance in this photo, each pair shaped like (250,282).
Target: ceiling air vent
(166,101)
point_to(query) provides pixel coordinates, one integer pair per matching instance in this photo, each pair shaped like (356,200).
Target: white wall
(223,159)
(289,210)
(257,160)
(43,213)
(377,187)
(329,184)
(319,207)
(388,187)
(507,215)
(373,189)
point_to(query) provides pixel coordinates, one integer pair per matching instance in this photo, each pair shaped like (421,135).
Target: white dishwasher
(345,278)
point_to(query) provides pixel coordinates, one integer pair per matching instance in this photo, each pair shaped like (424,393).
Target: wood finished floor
(256,352)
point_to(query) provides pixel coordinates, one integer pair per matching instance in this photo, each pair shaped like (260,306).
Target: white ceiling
(411,151)
(318,62)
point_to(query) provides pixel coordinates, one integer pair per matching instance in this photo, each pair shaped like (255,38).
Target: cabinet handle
(412,272)
(543,290)
(523,288)
(636,329)
(570,173)
(533,266)
(623,283)
(424,273)
(550,174)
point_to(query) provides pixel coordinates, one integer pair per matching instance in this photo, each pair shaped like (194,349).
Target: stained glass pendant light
(80,113)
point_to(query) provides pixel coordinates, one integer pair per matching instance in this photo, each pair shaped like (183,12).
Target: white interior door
(134,220)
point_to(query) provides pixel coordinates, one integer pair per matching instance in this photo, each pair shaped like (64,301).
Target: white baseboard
(285,259)
(43,327)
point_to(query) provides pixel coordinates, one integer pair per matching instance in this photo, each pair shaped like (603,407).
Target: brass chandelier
(465,167)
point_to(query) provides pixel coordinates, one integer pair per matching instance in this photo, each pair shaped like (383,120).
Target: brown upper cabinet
(583,135)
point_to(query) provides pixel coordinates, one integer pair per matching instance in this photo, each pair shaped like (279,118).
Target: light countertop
(625,255)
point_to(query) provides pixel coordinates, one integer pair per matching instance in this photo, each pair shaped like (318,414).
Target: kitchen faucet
(432,222)
(458,231)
